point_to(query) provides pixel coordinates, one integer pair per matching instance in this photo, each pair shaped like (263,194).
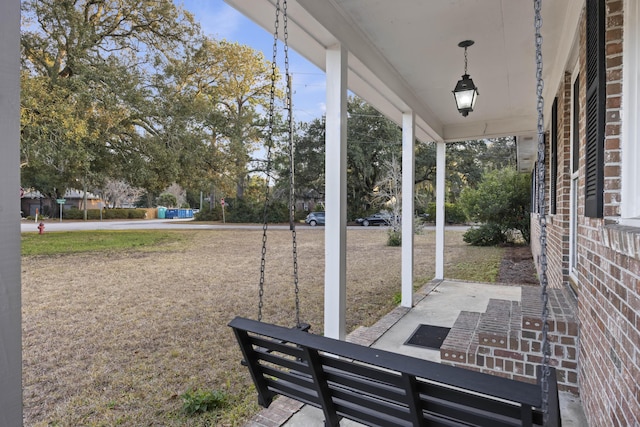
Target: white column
(335,252)
(408,180)
(10,302)
(440,169)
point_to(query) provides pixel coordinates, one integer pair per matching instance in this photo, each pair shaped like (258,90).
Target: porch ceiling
(404,55)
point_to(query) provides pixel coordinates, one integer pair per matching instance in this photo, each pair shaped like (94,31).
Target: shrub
(124,213)
(394,238)
(489,234)
(205,215)
(199,401)
(501,201)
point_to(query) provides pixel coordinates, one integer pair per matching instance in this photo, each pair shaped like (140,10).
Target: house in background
(402,57)
(74,199)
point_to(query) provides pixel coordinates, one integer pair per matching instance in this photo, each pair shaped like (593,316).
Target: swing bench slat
(377,387)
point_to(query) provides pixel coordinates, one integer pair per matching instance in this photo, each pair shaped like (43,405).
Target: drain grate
(428,336)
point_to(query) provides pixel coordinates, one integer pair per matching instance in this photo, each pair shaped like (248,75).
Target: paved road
(148,224)
(167,224)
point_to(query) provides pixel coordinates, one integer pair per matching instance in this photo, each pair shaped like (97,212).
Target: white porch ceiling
(404,55)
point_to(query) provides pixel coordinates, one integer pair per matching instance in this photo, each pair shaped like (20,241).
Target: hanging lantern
(465,92)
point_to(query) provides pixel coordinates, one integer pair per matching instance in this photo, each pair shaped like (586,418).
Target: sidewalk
(438,303)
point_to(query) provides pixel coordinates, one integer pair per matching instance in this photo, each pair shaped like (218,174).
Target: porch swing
(381,388)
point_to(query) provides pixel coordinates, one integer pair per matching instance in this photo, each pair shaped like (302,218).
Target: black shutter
(553,173)
(576,125)
(595,119)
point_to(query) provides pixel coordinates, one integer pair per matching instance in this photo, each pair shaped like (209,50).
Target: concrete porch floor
(438,303)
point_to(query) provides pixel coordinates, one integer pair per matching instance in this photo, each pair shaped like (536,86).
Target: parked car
(380,218)
(315,218)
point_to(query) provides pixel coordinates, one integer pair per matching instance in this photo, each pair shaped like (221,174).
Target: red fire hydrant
(41,228)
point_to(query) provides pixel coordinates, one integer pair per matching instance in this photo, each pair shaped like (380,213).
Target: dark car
(315,218)
(380,218)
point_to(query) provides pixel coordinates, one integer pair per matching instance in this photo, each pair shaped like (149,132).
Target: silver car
(315,218)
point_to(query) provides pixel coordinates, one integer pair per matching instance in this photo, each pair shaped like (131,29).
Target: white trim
(630,138)
(440,185)
(408,179)
(335,252)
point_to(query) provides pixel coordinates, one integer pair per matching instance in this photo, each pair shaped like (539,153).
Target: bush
(94,214)
(205,215)
(502,202)
(394,238)
(124,214)
(490,234)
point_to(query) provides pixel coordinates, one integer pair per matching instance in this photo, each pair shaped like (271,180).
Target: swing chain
(546,352)
(272,100)
(292,205)
(270,131)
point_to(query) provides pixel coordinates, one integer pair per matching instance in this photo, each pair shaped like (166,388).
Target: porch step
(496,324)
(505,340)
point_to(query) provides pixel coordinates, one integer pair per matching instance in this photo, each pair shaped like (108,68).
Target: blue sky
(221,21)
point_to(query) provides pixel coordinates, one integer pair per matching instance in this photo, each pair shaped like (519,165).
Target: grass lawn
(118,325)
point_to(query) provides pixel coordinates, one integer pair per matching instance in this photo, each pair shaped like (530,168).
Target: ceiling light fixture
(465,92)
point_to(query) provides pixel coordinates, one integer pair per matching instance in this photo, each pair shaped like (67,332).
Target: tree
(167,199)
(115,193)
(85,91)
(388,192)
(220,93)
(501,202)
(371,139)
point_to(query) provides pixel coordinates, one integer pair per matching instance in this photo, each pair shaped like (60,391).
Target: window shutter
(553,173)
(595,119)
(576,126)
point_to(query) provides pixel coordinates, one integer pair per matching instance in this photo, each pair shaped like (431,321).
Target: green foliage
(373,139)
(490,234)
(397,298)
(200,401)
(168,200)
(453,213)
(206,215)
(394,238)
(502,202)
(106,214)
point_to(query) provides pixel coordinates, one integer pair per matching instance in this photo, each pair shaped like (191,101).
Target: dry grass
(116,338)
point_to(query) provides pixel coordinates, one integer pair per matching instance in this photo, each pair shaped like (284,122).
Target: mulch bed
(517,267)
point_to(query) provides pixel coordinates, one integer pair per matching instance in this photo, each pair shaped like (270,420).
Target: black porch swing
(381,388)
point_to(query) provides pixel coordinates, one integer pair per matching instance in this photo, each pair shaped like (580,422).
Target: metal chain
(272,100)
(292,202)
(270,131)
(465,60)
(546,352)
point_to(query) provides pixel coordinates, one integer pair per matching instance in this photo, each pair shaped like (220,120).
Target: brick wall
(608,272)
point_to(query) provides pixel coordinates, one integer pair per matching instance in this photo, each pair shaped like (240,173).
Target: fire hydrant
(41,228)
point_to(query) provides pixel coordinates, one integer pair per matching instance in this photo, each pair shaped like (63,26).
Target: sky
(221,21)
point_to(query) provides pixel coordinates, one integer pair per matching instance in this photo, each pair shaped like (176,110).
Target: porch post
(335,252)
(440,176)
(10,301)
(408,180)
